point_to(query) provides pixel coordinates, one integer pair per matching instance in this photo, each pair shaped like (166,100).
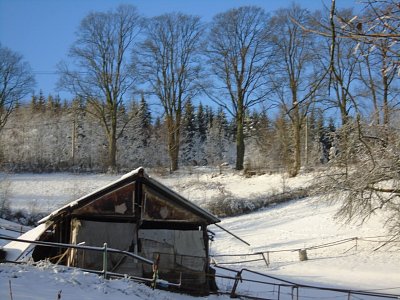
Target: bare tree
(16,81)
(366,169)
(239,57)
(379,65)
(170,67)
(366,174)
(343,82)
(294,77)
(104,74)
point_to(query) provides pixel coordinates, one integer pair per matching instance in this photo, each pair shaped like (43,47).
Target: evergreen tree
(188,133)
(216,145)
(136,142)
(250,124)
(144,117)
(282,141)
(33,104)
(262,139)
(41,103)
(57,104)
(158,155)
(53,104)
(201,122)
(209,115)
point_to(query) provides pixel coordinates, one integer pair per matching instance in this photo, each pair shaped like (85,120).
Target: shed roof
(125,179)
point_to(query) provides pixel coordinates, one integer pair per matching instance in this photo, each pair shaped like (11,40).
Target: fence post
(237,278)
(294,287)
(9,284)
(105,261)
(266,260)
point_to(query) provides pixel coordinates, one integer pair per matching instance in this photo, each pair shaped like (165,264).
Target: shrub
(225,205)
(4,198)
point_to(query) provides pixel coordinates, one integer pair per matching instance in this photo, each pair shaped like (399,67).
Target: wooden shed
(137,214)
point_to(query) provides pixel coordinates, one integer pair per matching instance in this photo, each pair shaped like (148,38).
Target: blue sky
(43,30)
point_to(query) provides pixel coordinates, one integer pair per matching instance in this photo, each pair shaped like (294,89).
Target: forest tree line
(271,75)
(49,135)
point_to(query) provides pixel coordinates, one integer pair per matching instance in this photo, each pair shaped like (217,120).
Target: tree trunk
(174,154)
(112,152)
(296,127)
(372,88)
(240,148)
(173,143)
(295,169)
(112,143)
(385,83)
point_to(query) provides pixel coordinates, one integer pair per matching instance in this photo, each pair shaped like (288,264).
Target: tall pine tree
(188,134)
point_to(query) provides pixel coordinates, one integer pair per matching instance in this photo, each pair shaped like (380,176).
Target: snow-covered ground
(277,231)
(306,224)
(47,192)
(46,281)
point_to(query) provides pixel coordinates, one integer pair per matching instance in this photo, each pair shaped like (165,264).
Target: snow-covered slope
(47,192)
(334,259)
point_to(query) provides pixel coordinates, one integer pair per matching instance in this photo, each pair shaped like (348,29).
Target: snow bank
(45,281)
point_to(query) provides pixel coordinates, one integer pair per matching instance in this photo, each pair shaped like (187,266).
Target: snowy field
(336,259)
(47,192)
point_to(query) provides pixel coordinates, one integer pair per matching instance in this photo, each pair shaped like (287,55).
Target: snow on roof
(16,249)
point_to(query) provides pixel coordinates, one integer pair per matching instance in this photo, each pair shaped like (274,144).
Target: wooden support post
(227,231)
(297,293)
(9,284)
(3,254)
(105,263)
(303,254)
(265,259)
(237,278)
(155,272)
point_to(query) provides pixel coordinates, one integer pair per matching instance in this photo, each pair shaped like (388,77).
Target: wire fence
(249,284)
(342,246)
(17,229)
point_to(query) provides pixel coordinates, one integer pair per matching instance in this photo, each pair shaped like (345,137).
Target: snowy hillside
(46,192)
(306,224)
(335,258)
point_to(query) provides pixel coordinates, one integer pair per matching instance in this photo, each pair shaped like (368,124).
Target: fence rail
(82,247)
(279,289)
(284,289)
(265,255)
(105,273)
